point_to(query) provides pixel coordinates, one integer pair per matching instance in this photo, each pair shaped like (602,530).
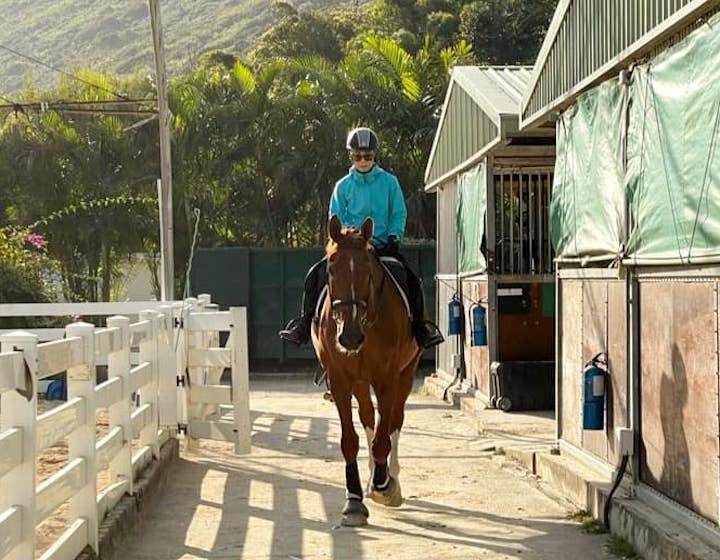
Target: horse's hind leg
(361,391)
(405,385)
(354,513)
(385,489)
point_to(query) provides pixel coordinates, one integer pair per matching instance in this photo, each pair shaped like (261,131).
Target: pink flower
(37,240)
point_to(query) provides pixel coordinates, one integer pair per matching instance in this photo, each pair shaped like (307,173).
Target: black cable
(60,71)
(618,479)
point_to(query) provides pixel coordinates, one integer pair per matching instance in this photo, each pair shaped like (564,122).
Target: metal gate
(210,409)
(522,221)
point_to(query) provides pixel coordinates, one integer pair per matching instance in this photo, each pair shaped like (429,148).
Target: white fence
(140,395)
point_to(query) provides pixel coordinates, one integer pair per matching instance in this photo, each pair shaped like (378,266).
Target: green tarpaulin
(588,207)
(673,177)
(472,187)
(672,180)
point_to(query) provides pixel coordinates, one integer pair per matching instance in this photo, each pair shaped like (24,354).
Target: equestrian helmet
(362,138)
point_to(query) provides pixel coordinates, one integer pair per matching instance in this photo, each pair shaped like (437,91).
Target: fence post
(17,488)
(81,382)
(167,374)
(120,412)
(240,378)
(149,393)
(181,350)
(193,339)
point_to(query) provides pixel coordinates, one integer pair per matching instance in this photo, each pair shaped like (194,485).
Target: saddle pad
(395,270)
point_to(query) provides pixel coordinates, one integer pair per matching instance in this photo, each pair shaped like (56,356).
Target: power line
(55,69)
(104,102)
(70,107)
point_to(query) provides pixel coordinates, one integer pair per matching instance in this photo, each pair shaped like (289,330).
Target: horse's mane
(350,238)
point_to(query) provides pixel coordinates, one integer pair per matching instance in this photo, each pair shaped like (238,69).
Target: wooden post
(81,383)
(240,379)
(120,412)
(149,393)
(183,343)
(196,375)
(167,371)
(18,486)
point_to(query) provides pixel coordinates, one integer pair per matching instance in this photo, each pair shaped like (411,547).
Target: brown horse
(363,339)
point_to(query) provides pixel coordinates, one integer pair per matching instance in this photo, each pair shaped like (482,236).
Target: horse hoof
(391,496)
(355,514)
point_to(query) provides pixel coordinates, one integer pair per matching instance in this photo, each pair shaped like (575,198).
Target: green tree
(506,31)
(74,175)
(299,34)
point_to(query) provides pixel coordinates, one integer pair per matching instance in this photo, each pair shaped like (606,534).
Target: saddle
(395,271)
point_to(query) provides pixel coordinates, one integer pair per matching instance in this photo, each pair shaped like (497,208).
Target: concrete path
(283,501)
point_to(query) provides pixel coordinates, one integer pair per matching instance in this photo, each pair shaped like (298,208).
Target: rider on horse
(366,191)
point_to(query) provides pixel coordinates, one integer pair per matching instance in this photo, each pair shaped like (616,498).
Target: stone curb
(128,514)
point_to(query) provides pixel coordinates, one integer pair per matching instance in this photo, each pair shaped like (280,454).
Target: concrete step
(529,440)
(652,533)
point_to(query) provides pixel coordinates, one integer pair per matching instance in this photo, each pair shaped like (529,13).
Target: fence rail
(141,398)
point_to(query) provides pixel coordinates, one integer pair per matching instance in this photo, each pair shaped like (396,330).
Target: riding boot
(298,329)
(426,332)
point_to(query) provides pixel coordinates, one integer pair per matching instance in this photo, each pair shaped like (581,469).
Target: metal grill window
(522,223)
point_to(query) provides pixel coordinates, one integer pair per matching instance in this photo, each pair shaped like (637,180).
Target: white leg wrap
(369,434)
(394,466)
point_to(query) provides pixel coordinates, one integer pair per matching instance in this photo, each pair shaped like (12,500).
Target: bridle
(362,305)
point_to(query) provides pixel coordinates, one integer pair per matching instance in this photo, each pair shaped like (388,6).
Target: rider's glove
(392,246)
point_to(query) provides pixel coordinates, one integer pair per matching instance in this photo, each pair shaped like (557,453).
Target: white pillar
(18,486)
(167,371)
(81,382)
(196,375)
(120,412)
(149,393)
(240,378)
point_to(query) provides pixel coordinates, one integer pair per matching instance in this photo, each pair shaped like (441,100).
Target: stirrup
(428,335)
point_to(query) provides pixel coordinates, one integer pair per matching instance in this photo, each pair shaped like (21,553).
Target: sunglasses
(358,157)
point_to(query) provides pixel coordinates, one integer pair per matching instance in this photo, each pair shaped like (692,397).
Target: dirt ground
(283,501)
(50,461)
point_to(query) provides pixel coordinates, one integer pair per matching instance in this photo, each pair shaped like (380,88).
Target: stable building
(494,256)
(632,90)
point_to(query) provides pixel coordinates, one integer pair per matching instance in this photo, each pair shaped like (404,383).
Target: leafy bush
(24,267)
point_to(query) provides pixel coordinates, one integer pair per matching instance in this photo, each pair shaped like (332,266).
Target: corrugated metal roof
(589,41)
(478,102)
(497,89)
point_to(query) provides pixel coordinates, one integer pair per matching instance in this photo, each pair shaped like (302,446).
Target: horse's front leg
(354,513)
(386,488)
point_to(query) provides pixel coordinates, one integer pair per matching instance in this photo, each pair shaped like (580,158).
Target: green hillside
(115,34)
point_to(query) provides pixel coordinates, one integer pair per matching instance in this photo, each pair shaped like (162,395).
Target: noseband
(338,303)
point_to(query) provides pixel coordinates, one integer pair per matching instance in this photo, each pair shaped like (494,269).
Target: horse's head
(349,281)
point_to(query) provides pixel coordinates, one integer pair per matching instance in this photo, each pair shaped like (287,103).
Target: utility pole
(165,184)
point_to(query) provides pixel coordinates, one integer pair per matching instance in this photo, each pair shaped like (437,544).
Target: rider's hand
(392,246)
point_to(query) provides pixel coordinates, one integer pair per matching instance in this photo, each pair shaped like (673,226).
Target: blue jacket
(375,194)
